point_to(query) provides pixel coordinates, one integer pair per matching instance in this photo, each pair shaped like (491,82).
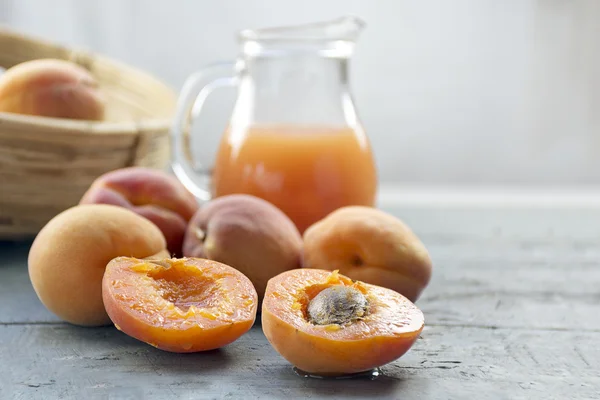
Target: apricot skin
(247,233)
(151,193)
(384,335)
(369,245)
(51,88)
(68,257)
(179,305)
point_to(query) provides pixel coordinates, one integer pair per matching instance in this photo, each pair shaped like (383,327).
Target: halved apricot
(326,324)
(179,305)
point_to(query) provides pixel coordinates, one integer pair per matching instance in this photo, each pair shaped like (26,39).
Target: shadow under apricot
(14,252)
(117,348)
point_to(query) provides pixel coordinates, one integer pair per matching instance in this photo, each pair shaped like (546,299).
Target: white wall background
(450,91)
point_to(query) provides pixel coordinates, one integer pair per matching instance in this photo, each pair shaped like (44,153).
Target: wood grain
(512,312)
(446,363)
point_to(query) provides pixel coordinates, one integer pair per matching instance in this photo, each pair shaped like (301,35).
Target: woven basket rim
(83,127)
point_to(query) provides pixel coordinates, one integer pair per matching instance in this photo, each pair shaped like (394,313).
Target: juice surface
(305,171)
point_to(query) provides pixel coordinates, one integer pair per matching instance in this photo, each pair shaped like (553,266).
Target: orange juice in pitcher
(305,171)
(294,137)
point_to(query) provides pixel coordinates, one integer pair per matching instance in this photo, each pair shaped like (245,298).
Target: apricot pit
(337,305)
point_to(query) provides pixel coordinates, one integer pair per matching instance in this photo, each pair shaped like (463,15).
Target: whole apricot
(69,255)
(247,233)
(179,305)
(151,193)
(51,88)
(369,245)
(324,323)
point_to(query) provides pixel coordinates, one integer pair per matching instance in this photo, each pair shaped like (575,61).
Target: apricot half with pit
(326,324)
(179,305)
(369,245)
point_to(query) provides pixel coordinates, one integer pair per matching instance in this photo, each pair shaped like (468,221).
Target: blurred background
(462,92)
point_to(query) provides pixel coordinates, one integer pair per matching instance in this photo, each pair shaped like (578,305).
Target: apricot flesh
(151,193)
(375,334)
(179,305)
(68,257)
(247,233)
(51,88)
(369,245)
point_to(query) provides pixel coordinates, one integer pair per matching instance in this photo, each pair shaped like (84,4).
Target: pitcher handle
(193,94)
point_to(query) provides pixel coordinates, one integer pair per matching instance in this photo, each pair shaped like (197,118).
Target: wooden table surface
(512,312)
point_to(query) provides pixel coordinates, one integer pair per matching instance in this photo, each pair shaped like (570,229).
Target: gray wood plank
(446,363)
(511,267)
(499,284)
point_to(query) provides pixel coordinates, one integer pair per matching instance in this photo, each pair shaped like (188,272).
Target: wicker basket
(46,164)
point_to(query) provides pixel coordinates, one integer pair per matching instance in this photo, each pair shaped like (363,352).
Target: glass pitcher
(294,137)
